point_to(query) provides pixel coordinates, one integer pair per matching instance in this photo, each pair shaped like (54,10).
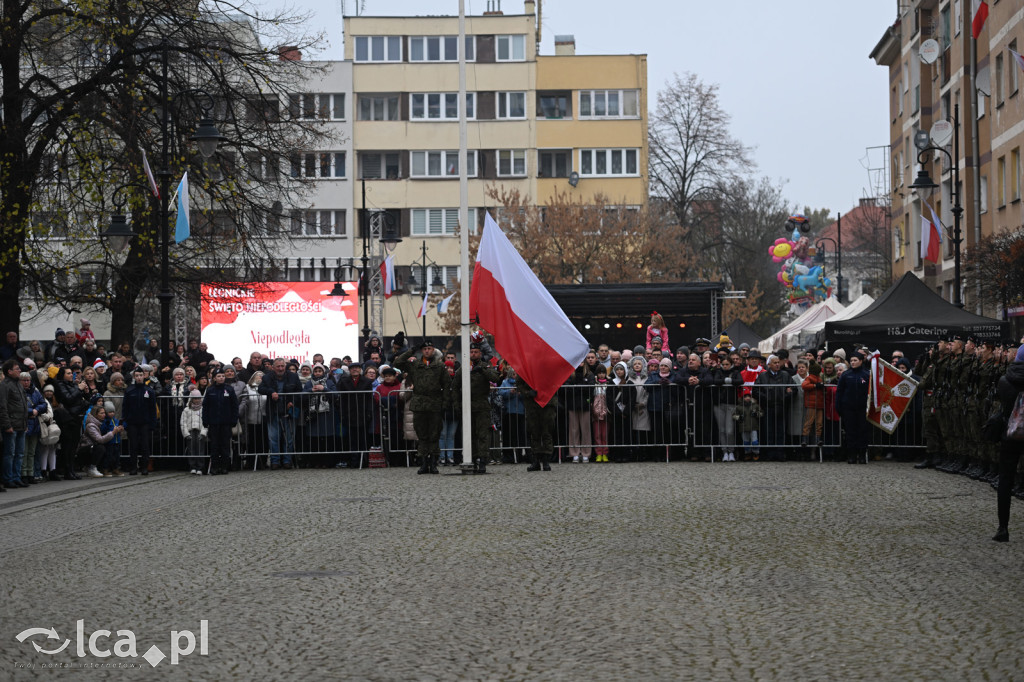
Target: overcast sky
(794,74)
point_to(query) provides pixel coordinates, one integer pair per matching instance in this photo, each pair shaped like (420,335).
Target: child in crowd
(194,432)
(599,414)
(747,416)
(657,328)
(814,405)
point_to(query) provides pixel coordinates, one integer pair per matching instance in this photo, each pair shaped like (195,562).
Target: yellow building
(927,81)
(534,123)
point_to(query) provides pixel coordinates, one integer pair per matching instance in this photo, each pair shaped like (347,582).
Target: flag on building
(181,222)
(931,236)
(979,13)
(1017,58)
(530,330)
(423,307)
(387,275)
(149,174)
(442,307)
(889,394)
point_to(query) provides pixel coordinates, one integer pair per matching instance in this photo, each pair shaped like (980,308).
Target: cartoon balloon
(783,250)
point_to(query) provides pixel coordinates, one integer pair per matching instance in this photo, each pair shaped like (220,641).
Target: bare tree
(692,155)
(80,103)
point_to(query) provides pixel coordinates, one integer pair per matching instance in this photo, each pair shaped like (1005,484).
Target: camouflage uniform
(930,420)
(540,425)
(481,376)
(430,383)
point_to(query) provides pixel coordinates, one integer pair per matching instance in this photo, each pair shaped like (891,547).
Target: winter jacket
(113,399)
(652,332)
(220,406)
(71,397)
(255,405)
(35,401)
(748,416)
(577,391)
(481,376)
(662,392)
(770,390)
(287,384)
(13,405)
(814,392)
(728,383)
(513,401)
(1010,384)
(852,392)
(192,419)
(95,433)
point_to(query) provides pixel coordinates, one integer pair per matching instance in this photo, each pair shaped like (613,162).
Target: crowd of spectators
(73,407)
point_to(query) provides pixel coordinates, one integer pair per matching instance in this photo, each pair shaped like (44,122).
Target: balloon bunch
(806,281)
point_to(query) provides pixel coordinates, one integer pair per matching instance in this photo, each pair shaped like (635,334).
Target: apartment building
(536,124)
(981,80)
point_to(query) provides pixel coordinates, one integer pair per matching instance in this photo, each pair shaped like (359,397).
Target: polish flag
(423,307)
(979,12)
(149,175)
(931,236)
(530,330)
(387,275)
(1017,58)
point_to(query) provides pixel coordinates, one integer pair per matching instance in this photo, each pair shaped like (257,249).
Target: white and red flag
(530,330)
(423,306)
(889,394)
(979,13)
(387,275)
(149,174)
(931,236)
(1017,58)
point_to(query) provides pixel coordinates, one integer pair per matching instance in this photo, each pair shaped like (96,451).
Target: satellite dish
(929,51)
(941,132)
(983,81)
(574,178)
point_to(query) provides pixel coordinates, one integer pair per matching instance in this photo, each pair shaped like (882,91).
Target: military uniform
(430,383)
(481,376)
(929,388)
(540,425)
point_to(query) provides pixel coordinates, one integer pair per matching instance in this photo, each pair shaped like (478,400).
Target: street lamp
(436,282)
(925,186)
(206,137)
(837,245)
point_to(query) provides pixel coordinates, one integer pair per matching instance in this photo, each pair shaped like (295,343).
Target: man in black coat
(696,381)
(220,413)
(773,391)
(356,412)
(138,410)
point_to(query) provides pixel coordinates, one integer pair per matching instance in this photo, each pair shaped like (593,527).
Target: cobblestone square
(747,571)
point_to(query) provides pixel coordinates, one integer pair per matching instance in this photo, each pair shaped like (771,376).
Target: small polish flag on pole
(424,306)
(979,13)
(1017,58)
(931,236)
(530,330)
(387,274)
(149,174)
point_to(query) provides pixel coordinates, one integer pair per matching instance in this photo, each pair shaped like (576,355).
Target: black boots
(534,463)
(1002,535)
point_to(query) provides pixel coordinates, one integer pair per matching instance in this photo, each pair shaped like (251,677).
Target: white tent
(819,312)
(852,310)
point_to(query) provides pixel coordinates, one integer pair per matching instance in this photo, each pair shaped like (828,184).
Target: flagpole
(464,236)
(165,294)
(975,154)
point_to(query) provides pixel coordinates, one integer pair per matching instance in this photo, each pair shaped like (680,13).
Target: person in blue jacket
(139,413)
(852,402)
(220,413)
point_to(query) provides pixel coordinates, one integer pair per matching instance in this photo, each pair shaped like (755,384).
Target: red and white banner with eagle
(889,394)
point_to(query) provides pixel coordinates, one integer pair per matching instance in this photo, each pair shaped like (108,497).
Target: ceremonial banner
(889,394)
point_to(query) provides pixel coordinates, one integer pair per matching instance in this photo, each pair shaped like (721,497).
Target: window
(434,49)
(984,193)
(378,49)
(1014,74)
(554,163)
(323,165)
(263,108)
(1015,175)
(554,104)
(302,105)
(378,165)
(917,98)
(439,106)
(378,107)
(1001,181)
(609,104)
(318,223)
(332,106)
(427,222)
(511,104)
(999,80)
(440,164)
(608,161)
(511,48)
(511,162)
(262,167)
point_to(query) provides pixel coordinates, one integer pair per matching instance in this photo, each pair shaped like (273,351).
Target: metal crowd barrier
(653,422)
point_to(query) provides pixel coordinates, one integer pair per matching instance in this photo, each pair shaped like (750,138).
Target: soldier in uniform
(985,392)
(481,376)
(933,387)
(951,403)
(430,382)
(540,425)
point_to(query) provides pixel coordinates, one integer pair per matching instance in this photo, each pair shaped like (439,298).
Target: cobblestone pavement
(648,571)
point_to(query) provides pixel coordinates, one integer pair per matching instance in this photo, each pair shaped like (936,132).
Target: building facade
(928,82)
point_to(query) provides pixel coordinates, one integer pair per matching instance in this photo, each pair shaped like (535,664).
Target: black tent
(907,313)
(740,332)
